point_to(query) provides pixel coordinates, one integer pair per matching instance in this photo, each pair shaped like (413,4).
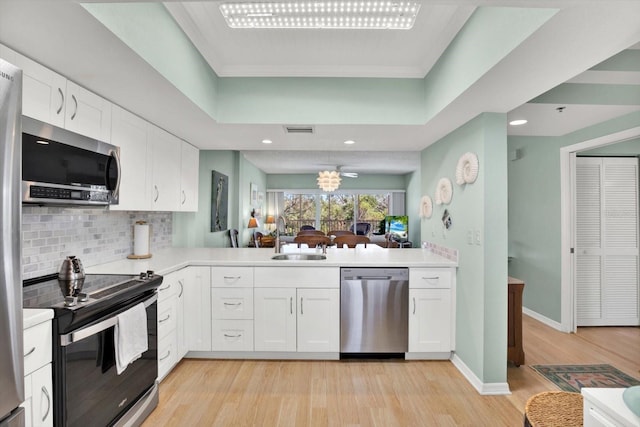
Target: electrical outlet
(478,240)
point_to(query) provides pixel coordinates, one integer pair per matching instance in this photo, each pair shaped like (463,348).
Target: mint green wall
(534,212)
(151,32)
(627,148)
(412,204)
(363,182)
(249,173)
(481,207)
(488,36)
(320,100)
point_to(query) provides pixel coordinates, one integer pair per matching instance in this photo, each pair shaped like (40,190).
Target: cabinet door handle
(165,288)
(235,304)
(61,101)
(155,187)
(46,394)
(301,307)
(168,354)
(181,289)
(232,336)
(431,278)
(75,101)
(232,277)
(30,352)
(184,197)
(291,305)
(414,305)
(165,319)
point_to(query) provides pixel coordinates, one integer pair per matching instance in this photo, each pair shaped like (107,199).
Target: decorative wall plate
(426,207)
(444,191)
(467,169)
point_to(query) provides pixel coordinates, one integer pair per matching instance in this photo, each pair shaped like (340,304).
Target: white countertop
(172,259)
(34,316)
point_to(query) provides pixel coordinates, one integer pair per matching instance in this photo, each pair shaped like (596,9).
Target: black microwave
(63,167)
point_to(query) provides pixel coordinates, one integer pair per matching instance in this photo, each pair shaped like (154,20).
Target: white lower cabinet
(429,328)
(431,310)
(169,312)
(197,308)
(232,308)
(303,320)
(38,402)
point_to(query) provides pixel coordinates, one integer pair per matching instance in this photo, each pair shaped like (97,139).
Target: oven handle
(81,334)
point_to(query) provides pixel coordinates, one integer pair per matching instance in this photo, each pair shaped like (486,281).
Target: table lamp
(253,223)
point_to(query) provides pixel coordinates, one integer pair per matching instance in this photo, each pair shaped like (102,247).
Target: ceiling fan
(346,174)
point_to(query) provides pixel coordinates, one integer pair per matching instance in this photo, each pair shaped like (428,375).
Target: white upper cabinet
(130,132)
(190,160)
(87,113)
(166,167)
(51,98)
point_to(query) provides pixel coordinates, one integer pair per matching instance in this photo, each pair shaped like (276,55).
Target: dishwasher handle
(373,278)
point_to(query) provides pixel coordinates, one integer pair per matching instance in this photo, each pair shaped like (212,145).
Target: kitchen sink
(299,257)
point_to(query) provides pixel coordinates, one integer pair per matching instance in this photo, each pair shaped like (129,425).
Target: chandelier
(328,180)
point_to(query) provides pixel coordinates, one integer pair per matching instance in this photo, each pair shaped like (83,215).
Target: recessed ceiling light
(267,141)
(517,122)
(349,142)
(396,15)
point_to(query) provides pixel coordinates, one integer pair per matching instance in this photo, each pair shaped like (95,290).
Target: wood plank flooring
(376,393)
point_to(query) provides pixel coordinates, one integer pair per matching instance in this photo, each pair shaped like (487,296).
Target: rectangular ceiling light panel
(394,15)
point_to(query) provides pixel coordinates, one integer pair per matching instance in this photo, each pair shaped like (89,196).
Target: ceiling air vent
(298,129)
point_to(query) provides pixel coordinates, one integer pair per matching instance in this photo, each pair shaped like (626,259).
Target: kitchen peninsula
(242,304)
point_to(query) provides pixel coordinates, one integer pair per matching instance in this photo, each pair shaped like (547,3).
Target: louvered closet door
(607,241)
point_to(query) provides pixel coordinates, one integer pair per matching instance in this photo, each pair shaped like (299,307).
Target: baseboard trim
(487,389)
(540,318)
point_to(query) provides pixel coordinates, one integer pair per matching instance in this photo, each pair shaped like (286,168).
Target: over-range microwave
(63,167)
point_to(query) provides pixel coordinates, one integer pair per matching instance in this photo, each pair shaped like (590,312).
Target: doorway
(567,212)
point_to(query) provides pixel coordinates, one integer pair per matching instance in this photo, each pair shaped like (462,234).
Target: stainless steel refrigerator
(11,348)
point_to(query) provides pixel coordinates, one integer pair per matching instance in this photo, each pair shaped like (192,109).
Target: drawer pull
(234,304)
(233,336)
(165,288)
(46,394)
(168,354)
(232,277)
(165,319)
(30,352)
(431,278)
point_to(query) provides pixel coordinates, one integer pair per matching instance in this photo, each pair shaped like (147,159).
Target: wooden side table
(515,352)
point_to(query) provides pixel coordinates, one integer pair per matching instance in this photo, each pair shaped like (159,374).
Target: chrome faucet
(278,244)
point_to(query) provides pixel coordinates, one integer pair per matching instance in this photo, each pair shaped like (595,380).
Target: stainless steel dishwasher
(374,310)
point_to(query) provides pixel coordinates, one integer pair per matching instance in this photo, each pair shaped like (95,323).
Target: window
(336,211)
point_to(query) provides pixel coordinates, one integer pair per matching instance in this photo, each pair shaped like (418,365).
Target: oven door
(88,391)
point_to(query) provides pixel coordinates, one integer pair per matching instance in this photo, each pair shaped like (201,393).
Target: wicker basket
(554,409)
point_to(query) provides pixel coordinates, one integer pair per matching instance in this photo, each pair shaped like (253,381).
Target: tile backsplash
(95,235)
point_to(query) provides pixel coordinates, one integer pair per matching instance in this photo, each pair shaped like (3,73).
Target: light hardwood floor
(376,393)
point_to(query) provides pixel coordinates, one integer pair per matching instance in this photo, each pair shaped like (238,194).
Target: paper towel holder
(141,256)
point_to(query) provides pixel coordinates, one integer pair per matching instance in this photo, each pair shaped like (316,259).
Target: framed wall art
(219,201)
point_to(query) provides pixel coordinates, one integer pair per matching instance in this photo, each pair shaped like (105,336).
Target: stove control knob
(150,273)
(69,301)
(82,297)
(143,275)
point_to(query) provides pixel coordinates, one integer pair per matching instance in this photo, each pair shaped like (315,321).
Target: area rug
(574,377)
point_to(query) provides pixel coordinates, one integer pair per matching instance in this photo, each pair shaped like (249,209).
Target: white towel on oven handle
(130,336)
